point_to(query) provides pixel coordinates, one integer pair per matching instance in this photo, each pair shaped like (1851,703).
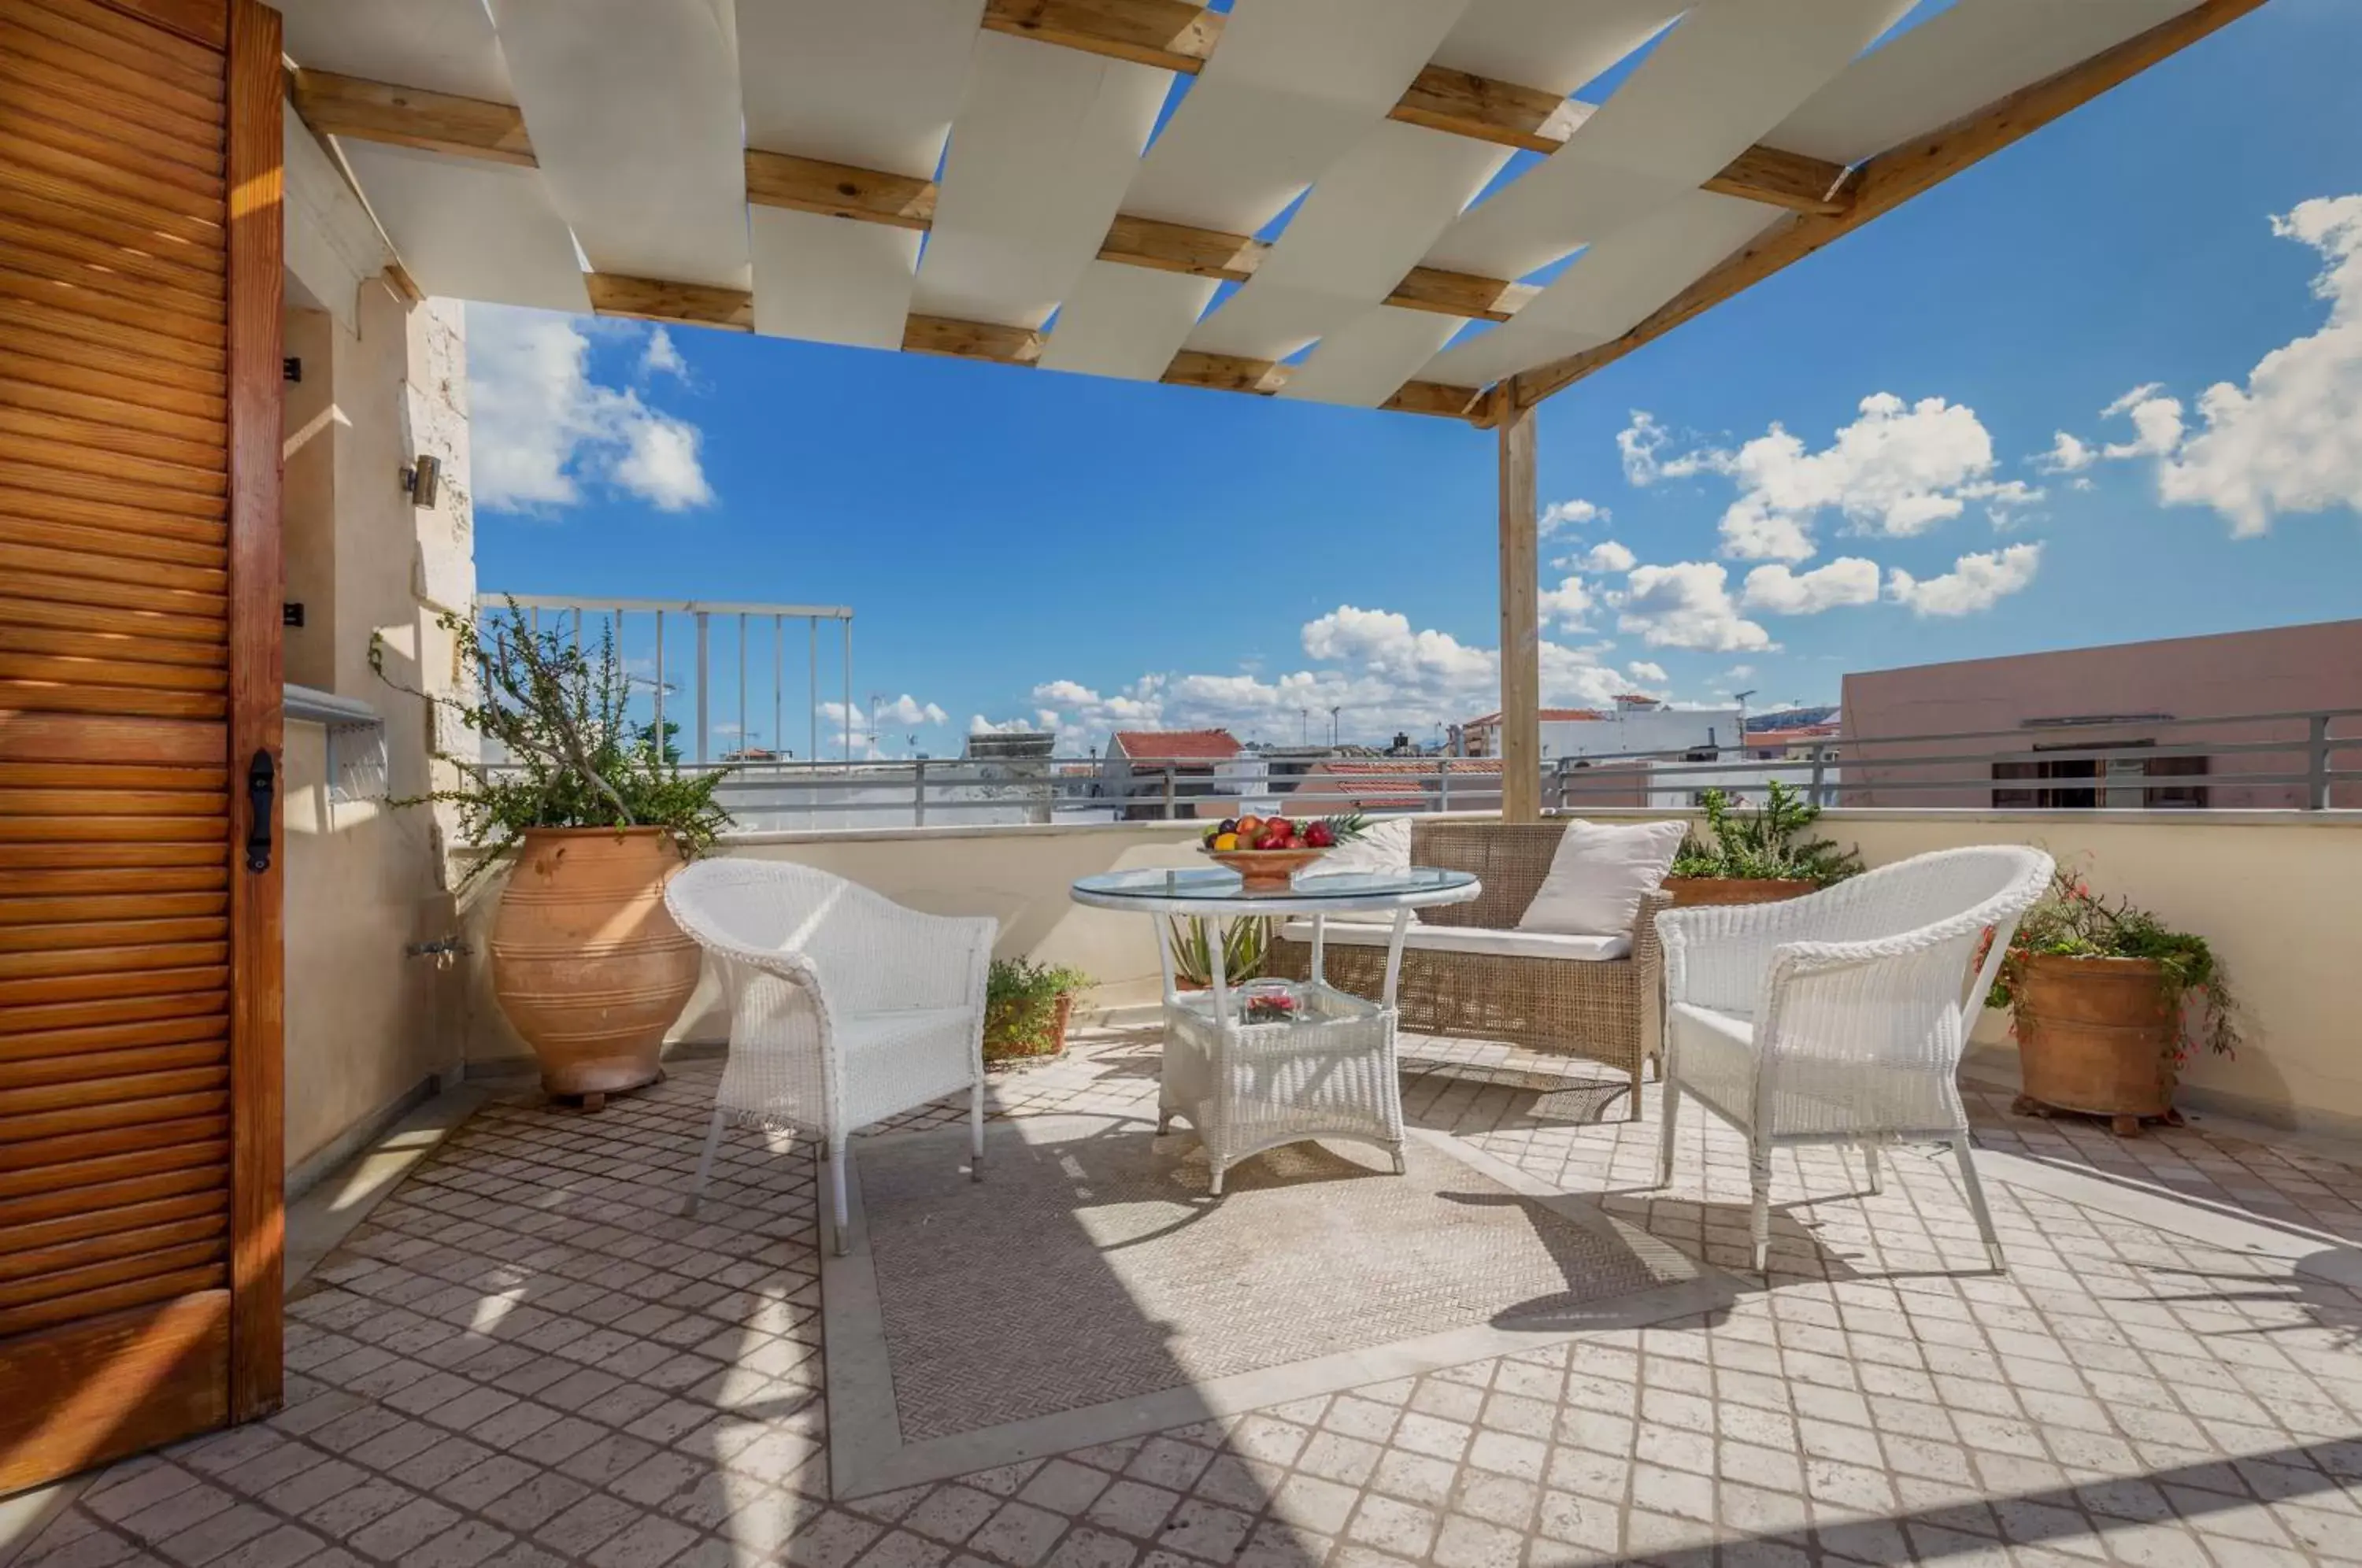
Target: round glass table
(1276,1063)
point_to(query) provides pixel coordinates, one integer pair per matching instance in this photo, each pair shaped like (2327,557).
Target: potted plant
(1246,948)
(1757,856)
(1026,1008)
(596,815)
(2107,1003)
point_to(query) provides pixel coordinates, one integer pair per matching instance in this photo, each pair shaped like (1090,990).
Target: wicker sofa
(1469,972)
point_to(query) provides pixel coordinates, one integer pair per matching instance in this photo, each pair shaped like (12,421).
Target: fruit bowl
(1266,852)
(1271,869)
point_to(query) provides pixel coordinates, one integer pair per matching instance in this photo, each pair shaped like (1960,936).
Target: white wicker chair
(1839,1017)
(844,1007)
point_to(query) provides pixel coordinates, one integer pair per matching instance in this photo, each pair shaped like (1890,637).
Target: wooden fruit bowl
(1264,870)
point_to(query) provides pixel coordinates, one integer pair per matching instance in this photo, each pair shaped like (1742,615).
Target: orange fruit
(1226,841)
(1249,826)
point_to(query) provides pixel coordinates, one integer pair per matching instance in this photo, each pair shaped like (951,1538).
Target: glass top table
(1213,891)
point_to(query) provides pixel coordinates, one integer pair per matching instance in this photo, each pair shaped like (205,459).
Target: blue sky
(1019,543)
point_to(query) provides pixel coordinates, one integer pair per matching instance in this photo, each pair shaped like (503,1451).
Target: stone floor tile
(1389,1525)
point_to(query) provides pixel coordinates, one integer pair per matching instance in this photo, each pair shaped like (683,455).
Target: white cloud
(1607,556)
(1849,580)
(2068,455)
(1641,670)
(981,725)
(903,714)
(2291,440)
(1898,470)
(1685,605)
(1975,582)
(661,357)
(1640,442)
(544,430)
(1571,514)
(2285,442)
(1380,671)
(1567,604)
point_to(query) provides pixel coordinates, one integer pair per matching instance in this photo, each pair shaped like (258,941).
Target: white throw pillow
(1382,846)
(1599,876)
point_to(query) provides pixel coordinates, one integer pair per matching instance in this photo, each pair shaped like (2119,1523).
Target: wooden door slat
(103,775)
(29,996)
(47,1174)
(188,603)
(75,1281)
(105,802)
(43,640)
(101,1202)
(96,1066)
(139,1292)
(35,1163)
(117,1116)
(142,419)
(48,471)
(63,442)
(40,326)
(74,935)
(123,144)
(98,294)
(107,1037)
(116,1383)
(201,137)
(70,963)
(122,371)
(29,1268)
(31,163)
(139,624)
(159,55)
(128,700)
(98,568)
(18,37)
(139,674)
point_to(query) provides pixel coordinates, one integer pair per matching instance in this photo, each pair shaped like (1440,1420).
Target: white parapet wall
(2279,894)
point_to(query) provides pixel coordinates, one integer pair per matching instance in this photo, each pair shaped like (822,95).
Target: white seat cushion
(901,1057)
(1599,874)
(1469,939)
(1715,1058)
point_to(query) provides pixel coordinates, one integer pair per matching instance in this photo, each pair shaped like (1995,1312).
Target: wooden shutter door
(139,583)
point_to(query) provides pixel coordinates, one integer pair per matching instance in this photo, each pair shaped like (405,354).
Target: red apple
(1319,835)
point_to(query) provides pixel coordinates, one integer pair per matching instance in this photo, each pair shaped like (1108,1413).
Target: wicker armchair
(1606,1010)
(844,1007)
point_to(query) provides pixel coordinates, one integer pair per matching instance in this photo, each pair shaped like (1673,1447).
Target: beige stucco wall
(2279,895)
(384,381)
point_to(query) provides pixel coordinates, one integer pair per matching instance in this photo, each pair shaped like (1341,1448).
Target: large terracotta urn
(586,959)
(2095,1035)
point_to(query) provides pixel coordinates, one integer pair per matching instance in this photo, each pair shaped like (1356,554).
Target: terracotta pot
(1689,891)
(1003,1049)
(586,959)
(2094,1035)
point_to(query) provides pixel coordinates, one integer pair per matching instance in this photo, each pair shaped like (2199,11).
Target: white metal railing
(2293,760)
(640,627)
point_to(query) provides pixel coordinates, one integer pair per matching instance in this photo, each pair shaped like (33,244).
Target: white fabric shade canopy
(1349,202)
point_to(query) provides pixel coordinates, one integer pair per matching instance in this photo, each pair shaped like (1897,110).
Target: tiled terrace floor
(527,1356)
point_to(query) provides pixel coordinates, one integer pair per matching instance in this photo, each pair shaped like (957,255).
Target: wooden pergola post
(1521,664)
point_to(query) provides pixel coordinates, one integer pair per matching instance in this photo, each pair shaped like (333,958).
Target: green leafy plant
(1020,1008)
(572,757)
(1246,948)
(1764,842)
(2073,921)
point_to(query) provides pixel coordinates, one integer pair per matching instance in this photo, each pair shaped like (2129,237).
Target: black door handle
(260,792)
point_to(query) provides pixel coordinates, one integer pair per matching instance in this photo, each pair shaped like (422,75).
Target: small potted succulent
(1026,1009)
(1757,856)
(2107,1003)
(1246,949)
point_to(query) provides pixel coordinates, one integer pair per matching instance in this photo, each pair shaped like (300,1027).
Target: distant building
(1009,746)
(1374,784)
(1637,723)
(2108,699)
(1211,775)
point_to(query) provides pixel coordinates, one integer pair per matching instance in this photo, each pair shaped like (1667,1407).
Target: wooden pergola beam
(971,339)
(1177,248)
(1893,178)
(1225,372)
(1461,294)
(1175,35)
(411,116)
(655,299)
(1521,657)
(1460,102)
(839,190)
